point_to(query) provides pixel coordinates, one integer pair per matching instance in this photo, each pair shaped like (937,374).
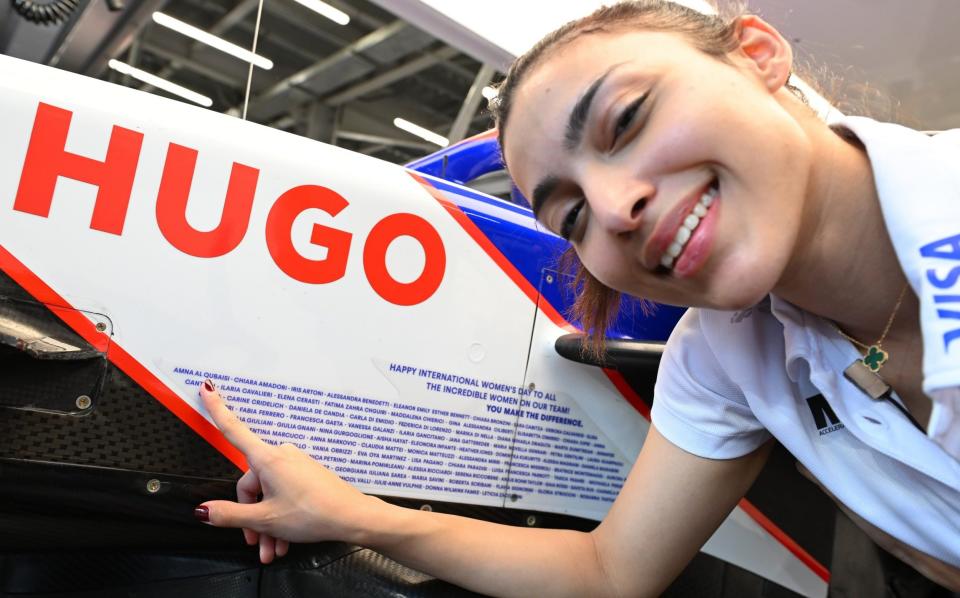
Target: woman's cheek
(675,144)
(605,265)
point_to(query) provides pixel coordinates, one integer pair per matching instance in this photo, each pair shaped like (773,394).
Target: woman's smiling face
(677,176)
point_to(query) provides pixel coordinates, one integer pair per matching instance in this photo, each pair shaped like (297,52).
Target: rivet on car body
(153,486)
(84,402)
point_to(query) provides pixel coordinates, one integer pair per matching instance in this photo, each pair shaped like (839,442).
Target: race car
(409,332)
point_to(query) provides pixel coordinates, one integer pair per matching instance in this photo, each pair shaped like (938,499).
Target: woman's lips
(697,249)
(666,230)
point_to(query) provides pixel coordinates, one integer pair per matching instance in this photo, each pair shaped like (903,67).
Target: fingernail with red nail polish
(202,513)
(208,385)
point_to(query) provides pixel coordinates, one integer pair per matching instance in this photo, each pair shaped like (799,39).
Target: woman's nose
(618,208)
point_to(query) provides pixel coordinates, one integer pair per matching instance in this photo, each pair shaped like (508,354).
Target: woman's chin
(742,281)
(736,299)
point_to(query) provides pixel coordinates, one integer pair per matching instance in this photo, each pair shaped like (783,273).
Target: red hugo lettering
(47,160)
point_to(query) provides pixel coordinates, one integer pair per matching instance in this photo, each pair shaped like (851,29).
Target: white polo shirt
(730,380)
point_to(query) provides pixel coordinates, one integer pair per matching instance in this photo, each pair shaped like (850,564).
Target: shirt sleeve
(696,406)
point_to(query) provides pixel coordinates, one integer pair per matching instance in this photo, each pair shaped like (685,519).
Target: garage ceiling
(338,84)
(346,84)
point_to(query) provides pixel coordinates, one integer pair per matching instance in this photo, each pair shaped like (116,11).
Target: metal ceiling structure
(346,84)
(338,84)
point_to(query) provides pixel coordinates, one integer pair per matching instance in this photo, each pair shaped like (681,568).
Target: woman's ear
(766,51)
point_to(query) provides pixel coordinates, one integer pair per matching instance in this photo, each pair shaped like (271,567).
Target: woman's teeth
(689,225)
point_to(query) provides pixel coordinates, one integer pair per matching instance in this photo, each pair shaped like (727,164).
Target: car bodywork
(404,330)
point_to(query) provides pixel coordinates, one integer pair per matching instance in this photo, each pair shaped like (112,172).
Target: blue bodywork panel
(533,251)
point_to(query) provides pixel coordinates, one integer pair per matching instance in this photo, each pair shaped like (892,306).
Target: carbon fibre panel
(125,429)
(328,570)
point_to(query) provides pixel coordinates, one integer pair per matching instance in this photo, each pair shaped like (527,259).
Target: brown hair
(596,305)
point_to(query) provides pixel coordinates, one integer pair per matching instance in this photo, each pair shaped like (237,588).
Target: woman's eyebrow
(541,192)
(578,115)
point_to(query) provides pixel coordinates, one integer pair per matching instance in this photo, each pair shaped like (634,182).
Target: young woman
(670,149)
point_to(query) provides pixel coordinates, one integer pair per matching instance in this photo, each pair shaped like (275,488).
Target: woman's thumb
(224,513)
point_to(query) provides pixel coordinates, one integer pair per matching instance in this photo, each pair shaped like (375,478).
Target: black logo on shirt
(743,314)
(823,415)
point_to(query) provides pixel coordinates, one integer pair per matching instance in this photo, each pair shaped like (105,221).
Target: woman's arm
(670,504)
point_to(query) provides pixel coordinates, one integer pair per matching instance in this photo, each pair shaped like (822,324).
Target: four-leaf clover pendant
(875,358)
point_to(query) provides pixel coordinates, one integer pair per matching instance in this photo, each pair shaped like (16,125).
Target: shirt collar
(809,339)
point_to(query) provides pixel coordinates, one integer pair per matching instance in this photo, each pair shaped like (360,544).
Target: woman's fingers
(248,512)
(235,430)
(248,487)
(248,492)
(223,513)
(268,548)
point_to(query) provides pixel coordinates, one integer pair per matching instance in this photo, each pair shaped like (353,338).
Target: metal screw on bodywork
(426,508)
(84,402)
(549,279)
(153,486)
(514,497)
(531,520)
(532,386)
(101,326)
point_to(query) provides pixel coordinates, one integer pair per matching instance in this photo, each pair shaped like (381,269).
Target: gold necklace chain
(876,356)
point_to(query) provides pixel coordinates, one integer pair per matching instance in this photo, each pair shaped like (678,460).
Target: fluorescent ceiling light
(334,14)
(420,132)
(211,40)
(489,92)
(183,92)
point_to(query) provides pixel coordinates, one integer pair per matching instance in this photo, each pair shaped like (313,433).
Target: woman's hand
(302,501)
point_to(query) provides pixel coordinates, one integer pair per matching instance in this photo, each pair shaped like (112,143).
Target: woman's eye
(623,123)
(570,220)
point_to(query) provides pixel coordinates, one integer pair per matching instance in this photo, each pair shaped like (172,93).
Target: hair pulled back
(596,305)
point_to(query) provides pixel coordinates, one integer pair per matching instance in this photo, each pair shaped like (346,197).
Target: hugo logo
(47,160)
